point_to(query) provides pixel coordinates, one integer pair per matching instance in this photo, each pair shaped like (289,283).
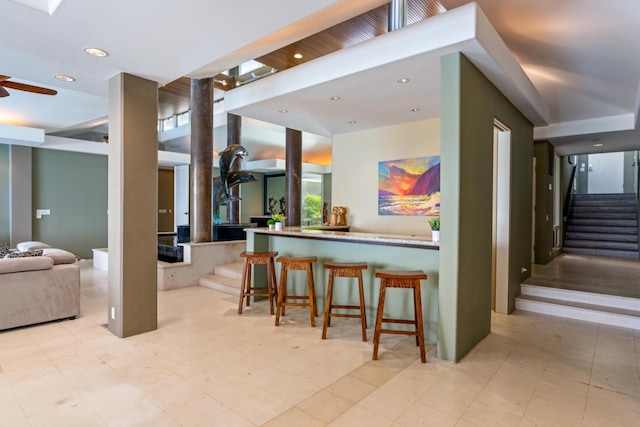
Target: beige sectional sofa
(39,289)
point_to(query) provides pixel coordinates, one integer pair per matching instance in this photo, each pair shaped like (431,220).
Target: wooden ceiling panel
(174,98)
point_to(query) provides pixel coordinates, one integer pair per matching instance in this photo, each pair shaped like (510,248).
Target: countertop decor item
(434,223)
(279,220)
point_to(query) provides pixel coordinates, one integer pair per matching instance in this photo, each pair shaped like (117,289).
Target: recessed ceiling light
(96,52)
(403,80)
(298,56)
(64,78)
(352,122)
(415,110)
(335,98)
(598,145)
(283,110)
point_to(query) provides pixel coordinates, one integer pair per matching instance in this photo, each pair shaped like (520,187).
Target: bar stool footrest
(403,321)
(398,332)
(353,316)
(346,307)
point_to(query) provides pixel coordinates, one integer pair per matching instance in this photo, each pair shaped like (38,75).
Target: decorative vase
(435,236)
(278,226)
(271,226)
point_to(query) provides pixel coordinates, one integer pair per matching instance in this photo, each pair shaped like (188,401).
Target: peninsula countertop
(355,237)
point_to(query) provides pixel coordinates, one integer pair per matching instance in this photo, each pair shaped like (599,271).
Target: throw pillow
(24,254)
(59,256)
(4,249)
(30,246)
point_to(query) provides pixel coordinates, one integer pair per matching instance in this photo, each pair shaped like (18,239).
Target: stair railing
(568,196)
(566,209)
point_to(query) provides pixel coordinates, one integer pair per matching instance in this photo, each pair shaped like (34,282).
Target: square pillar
(133,205)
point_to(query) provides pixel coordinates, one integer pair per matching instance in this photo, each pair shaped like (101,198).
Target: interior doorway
(501,217)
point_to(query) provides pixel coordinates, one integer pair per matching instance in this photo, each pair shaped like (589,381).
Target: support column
(201,159)
(133,205)
(234,132)
(293,176)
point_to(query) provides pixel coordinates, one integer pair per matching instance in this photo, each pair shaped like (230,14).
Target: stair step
(580,310)
(552,291)
(605,222)
(608,196)
(602,252)
(605,208)
(601,244)
(597,214)
(221,283)
(601,229)
(611,237)
(603,203)
(232,270)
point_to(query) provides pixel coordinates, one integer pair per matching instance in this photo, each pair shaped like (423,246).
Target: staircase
(606,309)
(225,278)
(603,225)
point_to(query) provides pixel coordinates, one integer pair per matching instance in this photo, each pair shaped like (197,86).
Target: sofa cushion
(59,256)
(24,254)
(15,265)
(4,249)
(30,246)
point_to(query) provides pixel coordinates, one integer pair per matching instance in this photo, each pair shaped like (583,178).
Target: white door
(181,191)
(606,173)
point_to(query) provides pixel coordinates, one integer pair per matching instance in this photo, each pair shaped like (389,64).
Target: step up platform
(226,278)
(611,253)
(591,307)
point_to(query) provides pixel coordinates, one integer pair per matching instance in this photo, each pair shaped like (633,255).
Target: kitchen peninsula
(393,252)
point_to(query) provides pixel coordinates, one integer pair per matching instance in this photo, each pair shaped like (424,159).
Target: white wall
(355,173)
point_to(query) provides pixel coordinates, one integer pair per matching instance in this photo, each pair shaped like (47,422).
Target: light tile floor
(207,366)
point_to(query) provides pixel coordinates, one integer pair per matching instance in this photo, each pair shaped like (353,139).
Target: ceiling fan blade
(3,92)
(3,78)
(28,88)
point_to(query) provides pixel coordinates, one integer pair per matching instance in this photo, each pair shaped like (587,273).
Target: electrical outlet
(113,313)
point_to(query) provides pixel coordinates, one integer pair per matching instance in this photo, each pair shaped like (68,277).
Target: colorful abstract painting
(409,186)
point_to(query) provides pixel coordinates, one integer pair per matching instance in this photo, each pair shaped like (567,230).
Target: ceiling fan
(5,83)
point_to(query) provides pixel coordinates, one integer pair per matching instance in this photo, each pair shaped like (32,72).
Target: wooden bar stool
(405,280)
(344,269)
(248,291)
(296,263)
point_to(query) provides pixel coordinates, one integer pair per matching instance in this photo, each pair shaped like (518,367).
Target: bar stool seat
(405,280)
(246,289)
(285,300)
(349,270)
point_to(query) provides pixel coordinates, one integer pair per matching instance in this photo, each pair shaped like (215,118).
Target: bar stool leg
(243,286)
(281,293)
(311,280)
(249,284)
(327,306)
(376,333)
(419,326)
(271,284)
(363,315)
(313,307)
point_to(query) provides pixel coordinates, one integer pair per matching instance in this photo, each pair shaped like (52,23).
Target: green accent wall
(469,104)
(74,187)
(5,227)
